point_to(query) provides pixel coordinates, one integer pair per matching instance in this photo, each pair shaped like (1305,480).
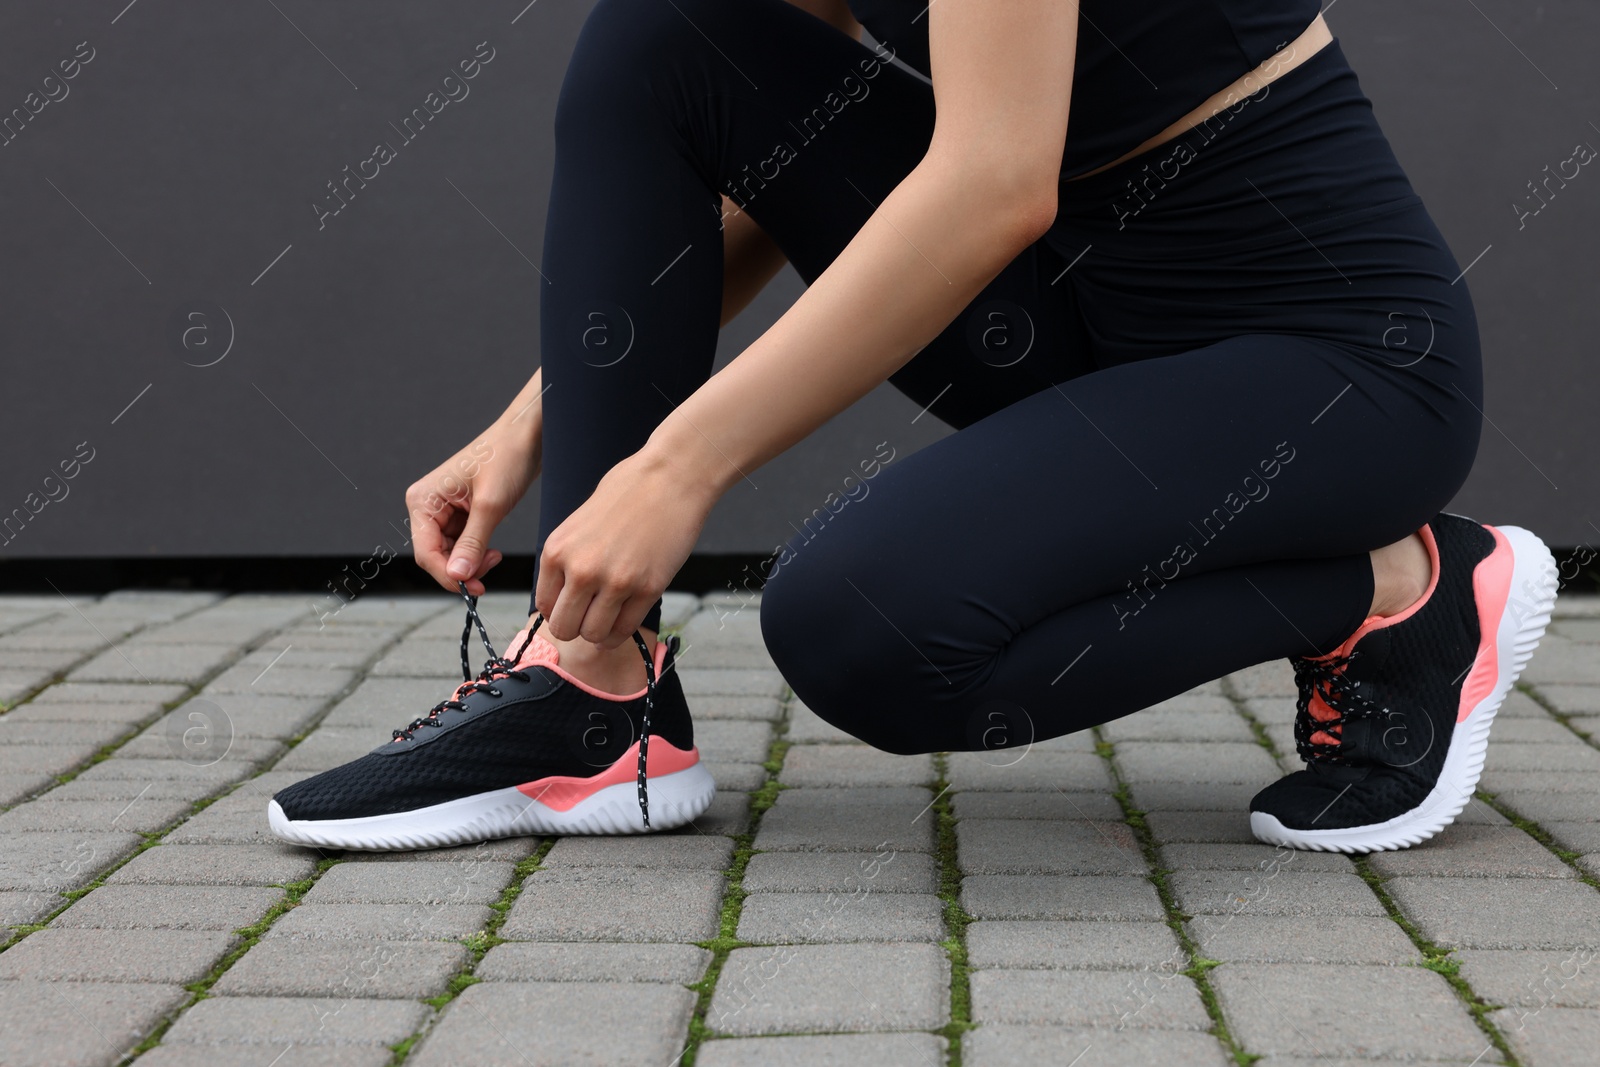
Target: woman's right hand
(455,507)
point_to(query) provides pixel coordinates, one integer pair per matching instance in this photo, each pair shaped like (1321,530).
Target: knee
(620,50)
(849,678)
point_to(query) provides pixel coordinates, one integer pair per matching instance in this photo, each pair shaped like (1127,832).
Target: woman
(1214,371)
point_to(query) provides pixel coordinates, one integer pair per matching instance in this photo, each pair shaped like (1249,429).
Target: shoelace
(499,667)
(1329,680)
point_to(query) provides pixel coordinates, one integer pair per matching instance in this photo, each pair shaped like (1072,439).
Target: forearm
(523,418)
(923,256)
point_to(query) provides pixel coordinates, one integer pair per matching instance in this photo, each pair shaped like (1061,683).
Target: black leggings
(1233,367)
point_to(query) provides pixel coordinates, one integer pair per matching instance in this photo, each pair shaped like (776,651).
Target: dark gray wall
(180,171)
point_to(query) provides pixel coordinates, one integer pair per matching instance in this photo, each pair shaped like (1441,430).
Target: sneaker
(522,748)
(1393,724)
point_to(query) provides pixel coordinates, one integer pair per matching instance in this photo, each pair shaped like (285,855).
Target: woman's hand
(455,507)
(607,563)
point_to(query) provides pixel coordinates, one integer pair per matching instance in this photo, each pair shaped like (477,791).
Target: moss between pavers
(727,938)
(956,918)
(1176,917)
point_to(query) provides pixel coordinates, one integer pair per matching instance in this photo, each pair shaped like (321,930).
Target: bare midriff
(1285,59)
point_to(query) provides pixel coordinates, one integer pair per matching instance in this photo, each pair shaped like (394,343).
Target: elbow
(1035,213)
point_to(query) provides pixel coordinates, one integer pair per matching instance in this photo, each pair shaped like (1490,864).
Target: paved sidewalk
(1095,900)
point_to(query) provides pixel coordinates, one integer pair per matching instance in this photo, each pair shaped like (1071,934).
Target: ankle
(1401,573)
(619,671)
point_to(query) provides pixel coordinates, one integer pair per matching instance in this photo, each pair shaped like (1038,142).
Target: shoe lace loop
(1329,681)
(499,667)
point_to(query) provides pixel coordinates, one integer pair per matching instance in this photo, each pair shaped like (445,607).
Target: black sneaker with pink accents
(522,748)
(1393,725)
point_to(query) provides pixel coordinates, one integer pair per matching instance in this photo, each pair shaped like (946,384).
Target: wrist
(664,458)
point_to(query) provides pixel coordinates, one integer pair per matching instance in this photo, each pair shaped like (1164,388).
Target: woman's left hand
(604,566)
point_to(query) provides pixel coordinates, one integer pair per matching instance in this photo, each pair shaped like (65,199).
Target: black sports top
(1141,66)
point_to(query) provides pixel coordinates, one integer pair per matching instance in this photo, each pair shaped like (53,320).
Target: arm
(983,192)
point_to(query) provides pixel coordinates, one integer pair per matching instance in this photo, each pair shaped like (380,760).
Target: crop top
(1140,67)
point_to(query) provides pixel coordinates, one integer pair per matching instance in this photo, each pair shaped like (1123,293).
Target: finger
(428,546)
(571,604)
(475,584)
(629,617)
(601,617)
(466,557)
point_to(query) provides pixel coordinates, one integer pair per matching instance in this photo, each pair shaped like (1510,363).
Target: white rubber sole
(675,799)
(1533,595)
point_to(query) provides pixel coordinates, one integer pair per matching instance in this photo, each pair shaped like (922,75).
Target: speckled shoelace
(1327,680)
(499,667)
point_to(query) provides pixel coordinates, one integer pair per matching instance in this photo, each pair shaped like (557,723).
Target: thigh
(1116,483)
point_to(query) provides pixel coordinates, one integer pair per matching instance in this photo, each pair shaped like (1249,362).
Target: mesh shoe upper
(539,725)
(1375,716)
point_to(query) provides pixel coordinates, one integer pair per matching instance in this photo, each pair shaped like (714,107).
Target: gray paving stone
(877,872)
(1273,892)
(1051,772)
(1107,945)
(100,789)
(523,961)
(1201,827)
(1248,938)
(1474,852)
(737,777)
(1407,1012)
(56,862)
(281,681)
(1252,857)
(1568,755)
(228,828)
(678,608)
(675,851)
(616,904)
(15,788)
(19,907)
(1161,1000)
(1271,679)
(554,1024)
(1099,807)
(849,820)
(14,731)
(1183,761)
(339,969)
(1562,662)
(1034,896)
(710,707)
(1572,699)
(829,1050)
(248,715)
(45,759)
(807,727)
(1527,731)
(1527,981)
(188,663)
(141,816)
(728,814)
(1577,836)
(173,957)
(78,1024)
(850,915)
(111,693)
(328,747)
(507,849)
(269,1021)
(1547,808)
(730,681)
(853,765)
(230,865)
(201,747)
(207,779)
(1005,1046)
(796,989)
(1553,1036)
(1032,846)
(427,884)
(1496,913)
(47,715)
(729,740)
(1218,723)
(176,907)
(381,922)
